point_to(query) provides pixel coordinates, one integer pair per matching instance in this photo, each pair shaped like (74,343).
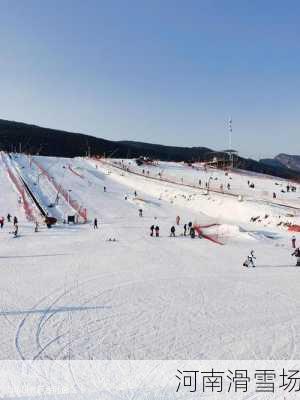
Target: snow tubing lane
(17,182)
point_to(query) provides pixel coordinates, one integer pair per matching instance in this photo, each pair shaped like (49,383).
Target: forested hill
(16,136)
(52,142)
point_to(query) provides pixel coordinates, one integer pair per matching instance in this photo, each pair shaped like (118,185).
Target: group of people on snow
(296,252)
(249,262)
(154,229)
(188,229)
(9,219)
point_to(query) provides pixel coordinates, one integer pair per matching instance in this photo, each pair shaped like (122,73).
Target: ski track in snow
(79,296)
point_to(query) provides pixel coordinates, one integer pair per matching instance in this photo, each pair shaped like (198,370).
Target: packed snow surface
(115,292)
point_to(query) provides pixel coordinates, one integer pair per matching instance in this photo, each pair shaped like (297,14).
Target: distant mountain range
(283,160)
(32,139)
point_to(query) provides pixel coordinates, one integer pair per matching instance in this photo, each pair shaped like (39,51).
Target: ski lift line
(59,187)
(75,172)
(41,209)
(43,172)
(191,186)
(81,211)
(113,152)
(166,180)
(30,193)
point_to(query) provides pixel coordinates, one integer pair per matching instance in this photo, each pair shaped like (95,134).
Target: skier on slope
(249,262)
(192,232)
(16,230)
(177,220)
(95,223)
(151,230)
(172,233)
(184,229)
(293,241)
(297,255)
(157,231)
(1,222)
(140,212)
(8,217)
(15,220)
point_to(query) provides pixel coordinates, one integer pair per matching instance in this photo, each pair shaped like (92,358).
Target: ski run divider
(81,211)
(127,169)
(17,182)
(75,172)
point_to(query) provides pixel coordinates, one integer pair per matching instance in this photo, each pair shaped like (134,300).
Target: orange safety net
(294,228)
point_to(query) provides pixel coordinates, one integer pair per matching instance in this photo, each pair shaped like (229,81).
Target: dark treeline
(32,139)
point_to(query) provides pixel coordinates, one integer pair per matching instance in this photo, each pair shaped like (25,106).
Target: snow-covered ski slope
(70,292)
(203,177)
(9,195)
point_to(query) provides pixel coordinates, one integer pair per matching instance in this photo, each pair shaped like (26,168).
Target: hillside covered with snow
(116,292)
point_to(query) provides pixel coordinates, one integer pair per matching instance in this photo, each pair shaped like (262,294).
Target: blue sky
(168,72)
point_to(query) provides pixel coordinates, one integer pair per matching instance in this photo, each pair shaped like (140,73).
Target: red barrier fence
(82,212)
(294,228)
(20,188)
(212,238)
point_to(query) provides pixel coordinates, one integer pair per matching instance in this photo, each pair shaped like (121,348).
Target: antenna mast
(230,132)
(230,141)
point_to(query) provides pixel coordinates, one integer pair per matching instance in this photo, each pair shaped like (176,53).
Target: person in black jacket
(172,231)
(297,255)
(151,230)
(249,262)
(157,231)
